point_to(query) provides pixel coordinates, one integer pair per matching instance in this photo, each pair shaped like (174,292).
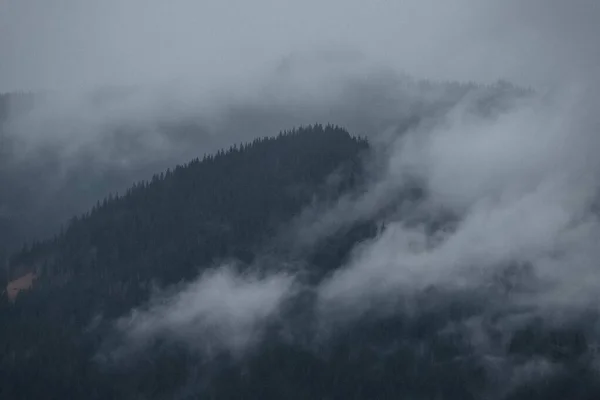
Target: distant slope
(162,231)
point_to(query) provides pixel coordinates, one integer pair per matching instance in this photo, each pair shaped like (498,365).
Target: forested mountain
(222,223)
(223,206)
(59,154)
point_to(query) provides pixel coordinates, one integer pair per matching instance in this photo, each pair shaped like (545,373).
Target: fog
(114,80)
(521,188)
(222,310)
(519,184)
(72,149)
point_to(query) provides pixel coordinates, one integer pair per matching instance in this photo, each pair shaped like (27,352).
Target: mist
(520,185)
(508,176)
(126,90)
(66,151)
(520,190)
(223,310)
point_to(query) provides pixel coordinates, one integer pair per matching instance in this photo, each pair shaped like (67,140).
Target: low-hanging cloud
(74,148)
(221,311)
(190,78)
(522,187)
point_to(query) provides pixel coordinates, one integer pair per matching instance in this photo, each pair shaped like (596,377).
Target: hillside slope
(189,286)
(223,206)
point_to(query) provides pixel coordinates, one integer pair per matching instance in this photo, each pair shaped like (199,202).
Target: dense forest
(223,206)
(61,338)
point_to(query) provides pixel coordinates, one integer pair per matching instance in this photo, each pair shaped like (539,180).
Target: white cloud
(522,186)
(222,310)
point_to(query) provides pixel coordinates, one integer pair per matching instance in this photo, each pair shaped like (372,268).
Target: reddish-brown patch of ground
(23,283)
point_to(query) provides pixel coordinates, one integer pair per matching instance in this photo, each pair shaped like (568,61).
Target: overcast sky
(47,44)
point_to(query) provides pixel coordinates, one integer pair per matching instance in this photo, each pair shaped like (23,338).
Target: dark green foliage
(216,207)
(56,339)
(162,231)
